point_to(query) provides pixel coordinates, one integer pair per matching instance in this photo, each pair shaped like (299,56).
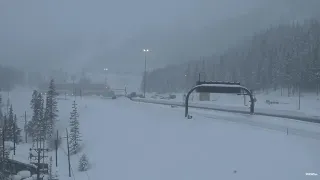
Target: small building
(79,89)
(13,167)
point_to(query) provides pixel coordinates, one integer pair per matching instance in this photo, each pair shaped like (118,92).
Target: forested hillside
(9,77)
(281,56)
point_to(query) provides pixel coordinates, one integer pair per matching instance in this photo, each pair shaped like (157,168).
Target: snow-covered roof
(221,85)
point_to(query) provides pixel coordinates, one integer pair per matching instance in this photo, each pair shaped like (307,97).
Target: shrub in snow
(24,174)
(83,163)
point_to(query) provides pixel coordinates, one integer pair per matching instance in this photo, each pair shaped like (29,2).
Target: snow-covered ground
(130,140)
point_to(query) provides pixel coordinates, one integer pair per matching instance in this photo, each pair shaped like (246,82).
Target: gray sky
(71,33)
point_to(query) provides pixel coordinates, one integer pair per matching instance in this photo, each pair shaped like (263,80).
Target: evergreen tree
(17,131)
(36,126)
(9,126)
(34,99)
(75,137)
(83,163)
(51,111)
(3,133)
(41,119)
(281,56)
(1,114)
(31,124)
(1,127)
(0,101)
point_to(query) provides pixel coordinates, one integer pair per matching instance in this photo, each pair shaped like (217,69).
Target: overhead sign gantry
(219,87)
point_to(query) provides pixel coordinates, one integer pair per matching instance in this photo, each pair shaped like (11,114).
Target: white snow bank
(29,178)
(16,177)
(24,174)
(258,111)
(34,177)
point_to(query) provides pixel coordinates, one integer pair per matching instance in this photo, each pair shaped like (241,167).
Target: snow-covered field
(129,140)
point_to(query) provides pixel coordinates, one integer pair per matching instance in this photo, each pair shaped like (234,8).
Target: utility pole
(145,75)
(38,167)
(38,158)
(25,126)
(300,79)
(68,153)
(56,144)
(14,135)
(145,72)
(3,140)
(43,151)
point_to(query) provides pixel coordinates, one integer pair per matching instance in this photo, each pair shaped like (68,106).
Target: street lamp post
(145,72)
(105,75)
(186,82)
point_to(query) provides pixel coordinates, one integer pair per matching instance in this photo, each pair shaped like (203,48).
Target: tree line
(282,56)
(45,116)
(9,130)
(9,77)
(40,128)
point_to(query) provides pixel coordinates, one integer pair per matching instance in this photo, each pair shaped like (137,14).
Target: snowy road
(136,141)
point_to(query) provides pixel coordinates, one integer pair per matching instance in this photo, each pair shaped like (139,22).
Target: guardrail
(272,113)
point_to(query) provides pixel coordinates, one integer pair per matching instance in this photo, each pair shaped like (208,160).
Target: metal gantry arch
(219,87)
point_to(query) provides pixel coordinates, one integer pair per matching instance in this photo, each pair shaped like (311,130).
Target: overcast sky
(70,33)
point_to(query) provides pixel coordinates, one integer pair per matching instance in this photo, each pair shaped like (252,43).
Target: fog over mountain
(41,35)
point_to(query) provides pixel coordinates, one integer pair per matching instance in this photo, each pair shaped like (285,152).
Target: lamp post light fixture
(105,75)
(145,72)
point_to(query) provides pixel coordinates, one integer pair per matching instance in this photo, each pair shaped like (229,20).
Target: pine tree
(74,130)
(41,119)
(83,163)
(31,124)
(1,147)
(1,114)
(34,99)
(2,133)
(17,131)
(1,127)
(9,128)
(36,127)
(51,111)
